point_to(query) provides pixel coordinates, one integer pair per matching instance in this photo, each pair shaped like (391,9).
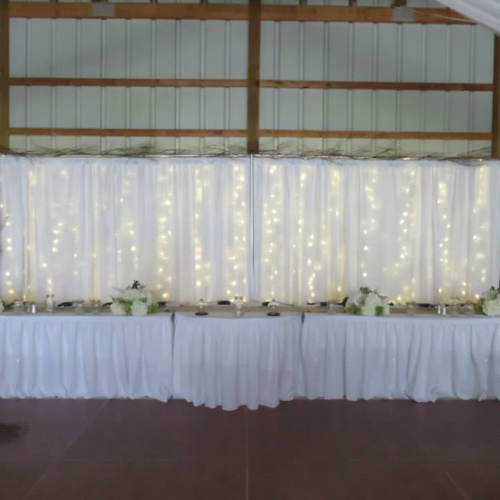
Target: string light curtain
(423,230)
(79,228)
(293,229)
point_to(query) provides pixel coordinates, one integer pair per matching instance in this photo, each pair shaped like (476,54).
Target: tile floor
(311,450)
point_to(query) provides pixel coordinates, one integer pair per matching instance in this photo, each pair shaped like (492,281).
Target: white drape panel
(228,362)
(424,358)
(485,12)
(86,356)
(81,227)
(189,228)
(425,230)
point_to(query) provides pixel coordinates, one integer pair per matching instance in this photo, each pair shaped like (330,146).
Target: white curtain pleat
(177,225)
(426,230)
(293,229)
(485,12)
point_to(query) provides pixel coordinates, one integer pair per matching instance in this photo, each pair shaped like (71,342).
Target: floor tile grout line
(449,476)
(54,461)
(438,463)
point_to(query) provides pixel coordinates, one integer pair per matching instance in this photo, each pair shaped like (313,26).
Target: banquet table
(423,358)
(224,361)
(87,356)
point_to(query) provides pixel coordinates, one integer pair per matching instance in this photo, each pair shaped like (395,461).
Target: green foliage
(153,308)
(379,311)
(353,309)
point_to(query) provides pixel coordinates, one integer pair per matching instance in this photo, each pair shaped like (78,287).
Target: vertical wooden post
(495,146)
(253,101)
(4,75)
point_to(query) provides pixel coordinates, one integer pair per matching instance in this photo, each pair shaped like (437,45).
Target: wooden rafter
(323,134)
(231,12)
(253,94)
(234,83)
(495,146)
(4,75)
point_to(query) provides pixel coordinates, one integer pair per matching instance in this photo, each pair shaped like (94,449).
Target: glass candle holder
(79,306)
(18,306)
(202,306)
(238,306)
(50,303)
(411,308)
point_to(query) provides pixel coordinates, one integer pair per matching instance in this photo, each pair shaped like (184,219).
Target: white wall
(218,49)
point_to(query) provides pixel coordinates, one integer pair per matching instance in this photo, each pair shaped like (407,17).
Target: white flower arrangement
(489,302)
(367,302)
(134,300)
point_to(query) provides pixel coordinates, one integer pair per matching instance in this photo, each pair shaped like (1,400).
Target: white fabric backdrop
(188,228)
(424,230)
(81,227)
(485,12)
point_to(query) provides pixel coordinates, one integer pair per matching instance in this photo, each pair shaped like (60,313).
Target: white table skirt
(224,361)
(104,356)
(422,358)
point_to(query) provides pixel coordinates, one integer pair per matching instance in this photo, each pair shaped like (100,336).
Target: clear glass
(454,307)
(468,310)
(238,306)
(79,306)
(411,308)
(332,308)
(18,306)
(95,306)
(50,303)
(202,306)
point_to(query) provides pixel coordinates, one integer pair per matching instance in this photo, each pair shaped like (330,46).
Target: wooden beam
(253,95)
(100,132)
(398,86)
(495,146)
(360,134)
(231,12)
(291,134)
(4,75)
(233,83)
(125,82)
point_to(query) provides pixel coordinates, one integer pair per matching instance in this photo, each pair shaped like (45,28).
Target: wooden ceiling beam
(235,83)
(4,76)
(290,134)
(230,12)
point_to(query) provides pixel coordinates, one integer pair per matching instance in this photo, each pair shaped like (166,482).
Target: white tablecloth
(422,358)
(86,356)
(224,361)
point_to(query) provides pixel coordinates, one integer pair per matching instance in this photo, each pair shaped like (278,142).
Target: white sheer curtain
(190,228)
(81,227)
(423,230)
(485,12)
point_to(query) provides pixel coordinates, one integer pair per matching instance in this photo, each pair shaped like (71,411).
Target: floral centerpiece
(134,300)
(367,302)
(489,302)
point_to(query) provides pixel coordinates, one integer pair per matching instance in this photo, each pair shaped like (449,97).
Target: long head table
(219,360)
(68,356)
(397,357)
